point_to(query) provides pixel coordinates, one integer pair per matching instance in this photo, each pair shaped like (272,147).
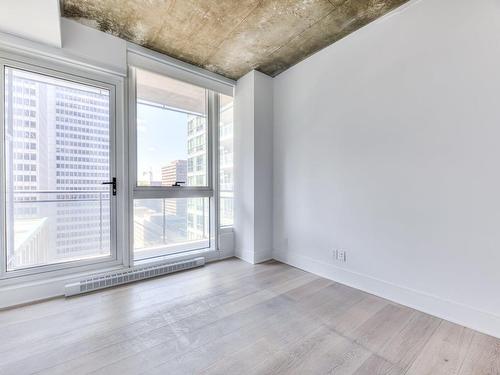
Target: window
(226,160)
(168,226)
(173,189)
(172,131)
(55,213)
(59,143)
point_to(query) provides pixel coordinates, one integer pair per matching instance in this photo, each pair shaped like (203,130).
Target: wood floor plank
(403,348)
(204,344)
(445,352)
(245,360)
(236,318)
(355,315)
(483,357)
(301,293)
(65,348)
(218,270)
(381,327)
(281,327)
(155,346)
(41,329)
(126,298)
(322,352)
(376,365)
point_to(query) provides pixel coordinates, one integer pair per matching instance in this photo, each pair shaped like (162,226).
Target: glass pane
(169,226)
(226,160)
(57,155)
(171,132)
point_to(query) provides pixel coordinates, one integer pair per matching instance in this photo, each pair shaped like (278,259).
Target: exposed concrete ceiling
(231,37)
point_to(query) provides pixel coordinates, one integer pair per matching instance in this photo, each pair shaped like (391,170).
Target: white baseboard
(263,256)
(482,321)
(253,257)
(246,256)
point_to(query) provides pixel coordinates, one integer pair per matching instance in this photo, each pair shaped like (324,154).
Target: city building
(197,171)
(58,148)
(226,155)
(175,172)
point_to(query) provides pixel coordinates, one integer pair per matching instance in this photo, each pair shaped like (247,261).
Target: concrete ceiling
(231,37)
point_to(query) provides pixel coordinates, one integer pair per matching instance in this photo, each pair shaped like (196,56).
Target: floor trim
(482,321)
(254,257)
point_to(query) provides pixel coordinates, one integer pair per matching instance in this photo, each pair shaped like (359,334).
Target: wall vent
(102,281)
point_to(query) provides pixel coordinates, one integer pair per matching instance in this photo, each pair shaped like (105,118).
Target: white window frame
(119,246)
(124,143)
(165,192)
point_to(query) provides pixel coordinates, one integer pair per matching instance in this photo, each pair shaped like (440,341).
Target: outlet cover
(340,255)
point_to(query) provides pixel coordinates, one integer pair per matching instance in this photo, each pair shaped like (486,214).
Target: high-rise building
(197,172)
(81,165)
(57,150)
(176,171)
(226,178)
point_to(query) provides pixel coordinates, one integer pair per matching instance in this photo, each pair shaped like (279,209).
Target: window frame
(64,67)
(157,192)
(169,192)
(90,77)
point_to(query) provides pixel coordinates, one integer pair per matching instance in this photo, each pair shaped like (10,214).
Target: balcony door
(58,132)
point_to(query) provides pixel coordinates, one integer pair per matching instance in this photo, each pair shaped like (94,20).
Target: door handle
(112,183)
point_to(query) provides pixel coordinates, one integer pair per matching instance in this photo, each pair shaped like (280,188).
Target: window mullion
(170,193)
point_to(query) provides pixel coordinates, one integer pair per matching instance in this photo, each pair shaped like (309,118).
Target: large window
(82,190)
(174,197)
(56,154)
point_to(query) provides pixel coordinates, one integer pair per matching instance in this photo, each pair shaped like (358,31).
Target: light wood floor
(231,317)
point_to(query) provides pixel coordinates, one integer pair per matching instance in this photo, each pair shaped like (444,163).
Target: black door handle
(178,183)
(113,183)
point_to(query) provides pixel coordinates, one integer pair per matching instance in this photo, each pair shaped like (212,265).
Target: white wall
(387,144)
(81,46)
(253,117)
(244,217)
(263,171)
(37,20)
(94,46)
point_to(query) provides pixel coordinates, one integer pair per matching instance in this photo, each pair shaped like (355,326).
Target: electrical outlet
(340,255)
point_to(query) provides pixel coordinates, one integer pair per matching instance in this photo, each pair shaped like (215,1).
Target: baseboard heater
(111,279)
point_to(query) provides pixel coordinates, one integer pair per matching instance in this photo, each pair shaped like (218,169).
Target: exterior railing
(27,197)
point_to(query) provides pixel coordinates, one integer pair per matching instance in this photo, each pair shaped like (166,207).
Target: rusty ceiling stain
(231,37)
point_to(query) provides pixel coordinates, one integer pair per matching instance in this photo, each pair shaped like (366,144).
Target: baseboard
(263,256)
(253,257)
(482,321)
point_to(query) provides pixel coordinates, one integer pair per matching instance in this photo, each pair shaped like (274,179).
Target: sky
(161,138)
